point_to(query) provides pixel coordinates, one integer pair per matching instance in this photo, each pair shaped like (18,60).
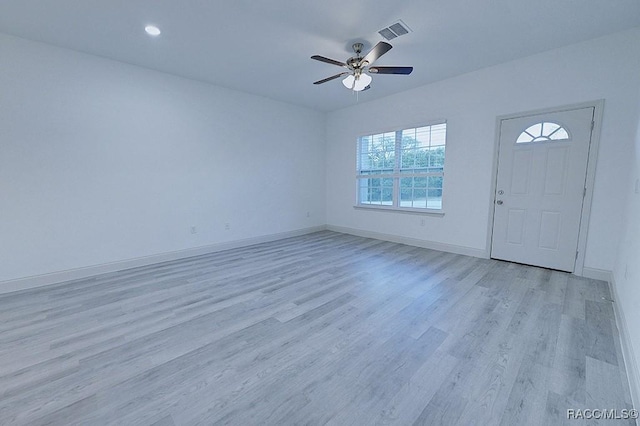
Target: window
(403,169)
(543,132)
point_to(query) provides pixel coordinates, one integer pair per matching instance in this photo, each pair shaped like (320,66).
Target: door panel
(556,171)
(542,165)
(520,175)
(515,227)
(549,230)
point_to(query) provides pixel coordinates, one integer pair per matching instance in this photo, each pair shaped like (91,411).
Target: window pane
(406,192)
(420,203)
(435,182)
(423,137)
(408,138)
(415,139)
(408,159)
(422,158)
(406,197)
(560,134)
(376,153)
(535,130)
(374,195)
(389,159)
(375,191)
(387,196)
(524,138)
(434,200)
(438,134)
(435,192)
(436,157)
(366,192)
(413,192)
(548,128)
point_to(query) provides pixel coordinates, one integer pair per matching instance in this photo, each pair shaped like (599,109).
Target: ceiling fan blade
(329,61)
(333,77)
(391,70)
(378,50)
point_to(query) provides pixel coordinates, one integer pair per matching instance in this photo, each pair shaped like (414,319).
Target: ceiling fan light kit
(357,77)
(357,83)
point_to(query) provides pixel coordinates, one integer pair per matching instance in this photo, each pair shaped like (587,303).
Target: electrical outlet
(423,222)
(227,226)
(308,214)
(194,230)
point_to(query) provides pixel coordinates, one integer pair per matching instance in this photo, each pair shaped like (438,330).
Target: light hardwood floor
(325,328)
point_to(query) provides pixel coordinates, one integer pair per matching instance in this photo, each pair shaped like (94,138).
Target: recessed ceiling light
(152,30)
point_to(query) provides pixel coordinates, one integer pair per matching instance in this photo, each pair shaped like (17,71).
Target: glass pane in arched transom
(543,132)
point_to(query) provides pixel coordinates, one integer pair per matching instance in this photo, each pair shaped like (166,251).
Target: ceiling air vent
(395,30)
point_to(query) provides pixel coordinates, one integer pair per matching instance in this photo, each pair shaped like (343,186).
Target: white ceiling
(263,47)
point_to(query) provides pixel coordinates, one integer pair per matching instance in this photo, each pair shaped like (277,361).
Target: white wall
(102,161)
(626,282)
(606,68)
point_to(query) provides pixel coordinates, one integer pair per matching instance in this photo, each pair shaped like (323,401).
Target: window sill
(409,210)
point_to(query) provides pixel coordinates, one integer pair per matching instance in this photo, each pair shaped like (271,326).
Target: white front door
(542,166)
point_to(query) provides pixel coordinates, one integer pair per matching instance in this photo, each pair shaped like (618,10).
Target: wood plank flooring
(320,329)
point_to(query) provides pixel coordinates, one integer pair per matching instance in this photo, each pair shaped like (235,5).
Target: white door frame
(598,106)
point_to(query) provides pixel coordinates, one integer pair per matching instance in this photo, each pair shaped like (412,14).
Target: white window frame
(397,174)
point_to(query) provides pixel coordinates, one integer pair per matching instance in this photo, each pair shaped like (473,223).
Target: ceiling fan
(357,78)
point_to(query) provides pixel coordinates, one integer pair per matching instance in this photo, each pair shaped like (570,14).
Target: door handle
(499,202)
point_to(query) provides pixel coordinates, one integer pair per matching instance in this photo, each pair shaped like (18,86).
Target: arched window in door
(544,131)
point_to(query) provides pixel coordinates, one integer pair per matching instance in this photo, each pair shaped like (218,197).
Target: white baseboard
(627,349)
(449,248)
(596,274)
(89,271)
